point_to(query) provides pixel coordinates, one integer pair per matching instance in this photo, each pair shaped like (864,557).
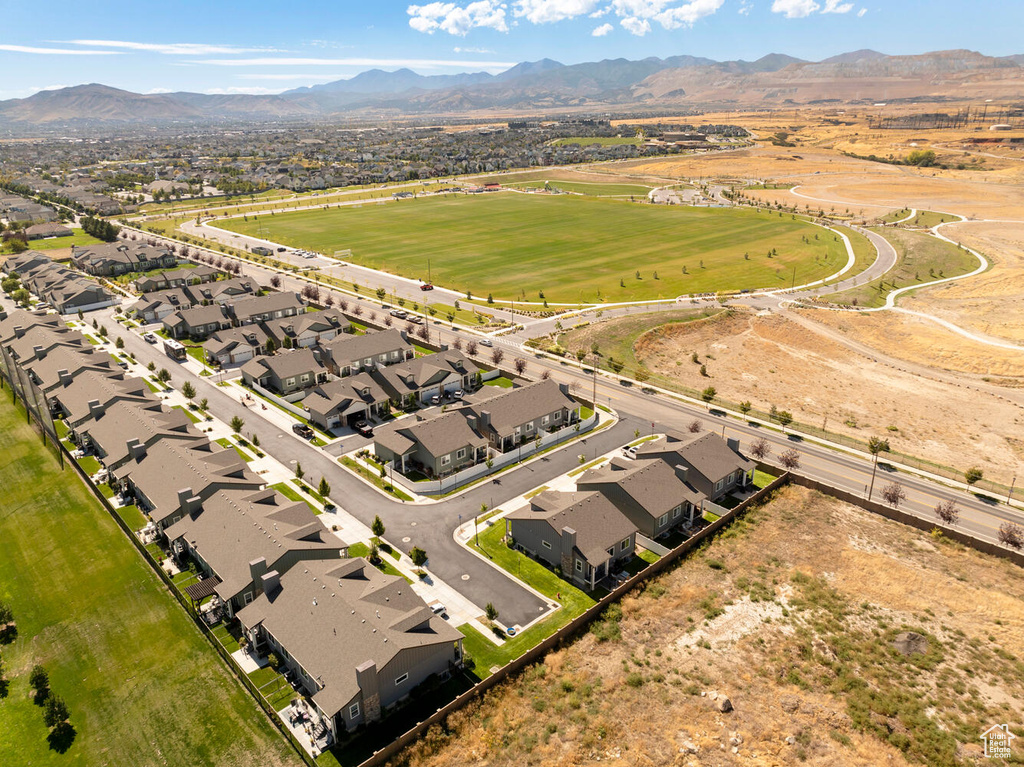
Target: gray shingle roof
(284,364)
(124,421)
(510,408)
(438,436)
(347,348)
(707,454)
(651,487)
(342,393)
(599,525)
(332,617)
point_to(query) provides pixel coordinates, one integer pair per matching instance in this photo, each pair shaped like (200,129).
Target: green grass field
(143,687)
(573,249)
(54,243)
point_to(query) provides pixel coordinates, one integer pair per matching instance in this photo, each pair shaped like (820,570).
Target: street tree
(236,424)
(1011,535)
(299,471)
(708,394)
(491,611)
(784,418)
(188,390)
(947,512)
(695,426)
(894,494)
(790,459)
(745,407)
(377,528)
(324,489)
(497,356)
(418,556)
(520,365)
(972,475)
(760,449)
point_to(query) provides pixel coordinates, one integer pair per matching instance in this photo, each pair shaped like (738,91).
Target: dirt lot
(774,360)
(838,638)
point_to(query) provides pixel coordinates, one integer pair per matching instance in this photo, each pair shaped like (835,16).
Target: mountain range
(547,86)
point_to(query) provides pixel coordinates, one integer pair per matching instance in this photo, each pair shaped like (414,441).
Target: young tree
(695,426)
(56,711)
(39,680)
(497,356)
(188,390)
(1011,535)
(745,407)
(164,376)
(119,343)
(418,556)
(643,375)
(790,459)
(299,472)
(275,281)
(471,348)
(760,449)
(972,475)
(324,489)
(947,512)
(708,394)
(236,424)
(784,419)
(491,611)
(377,528)
(151,367)
(204,403)
(894,494)
(520,365)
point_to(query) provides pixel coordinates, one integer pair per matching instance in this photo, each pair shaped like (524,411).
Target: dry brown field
(799,615)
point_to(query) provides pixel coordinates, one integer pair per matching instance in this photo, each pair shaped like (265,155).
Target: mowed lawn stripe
(515,245)
(143,686)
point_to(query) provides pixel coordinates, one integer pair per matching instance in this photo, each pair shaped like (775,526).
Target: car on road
(281,250)
(149,338)
(303,430)
(416,320)
(426,286)
(486,342)
(364,428)
(400,313)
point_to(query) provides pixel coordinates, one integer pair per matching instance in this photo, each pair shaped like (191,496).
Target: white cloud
(270,61)
(745,9)
(157,91)
(688,14)
(602,30)
(55,51)
(457,49)
(172,49)
(635,26)
(795,9)
(548,11)
(837,6)
(458,20)
(861,12)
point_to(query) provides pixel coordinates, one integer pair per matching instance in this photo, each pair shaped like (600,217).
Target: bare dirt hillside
(837,638)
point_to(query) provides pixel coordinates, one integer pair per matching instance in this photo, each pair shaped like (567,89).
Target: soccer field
(570,248)
(143,687)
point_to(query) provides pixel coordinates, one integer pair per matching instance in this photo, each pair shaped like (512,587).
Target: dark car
(302,430)
(426,286)
(281,250)
(364,428)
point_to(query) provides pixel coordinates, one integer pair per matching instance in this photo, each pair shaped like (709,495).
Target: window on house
(545,544)
(677,511)
(289,382)
(558,416)
(461,453)
(544,421)
(579,566)
(353,711)
(529,427)
(445,460)
(247,597)
(663,519)
(305,377)
(624,545)
(719,484)
(401,679)
(611,552)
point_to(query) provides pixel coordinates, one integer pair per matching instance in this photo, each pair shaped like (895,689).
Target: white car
(629,451)
(149,338)
(486,342)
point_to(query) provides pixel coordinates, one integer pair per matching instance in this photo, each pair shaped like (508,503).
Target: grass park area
(78,237)
(593,189)
(142,685)
(569,248)
(921,258)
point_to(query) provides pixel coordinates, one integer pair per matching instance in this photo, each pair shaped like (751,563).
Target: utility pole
(1012,483)
(874,468)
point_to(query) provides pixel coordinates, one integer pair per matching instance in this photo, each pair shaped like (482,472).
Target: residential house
(509,417)
(435,447)
(346,400)
(308,329)
(285,373)
(223,291)
(346,354)
(712,465)
(357,640)
(173,478)
(583,534)
(196,323)
(153,307)
(65,289)
(177,278)
(110,259)
(42,231)
(79,295)
(272,306)
(40,340)
(238,536)
(16,324)
(58,366)
(234,346)
(651,493)
(89,394)
(421,378)
(117,433)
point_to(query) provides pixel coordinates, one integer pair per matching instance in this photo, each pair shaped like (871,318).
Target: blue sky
(266,47)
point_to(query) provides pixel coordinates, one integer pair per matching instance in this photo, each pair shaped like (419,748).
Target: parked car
(364,428)
(458,394)
(439,609)
(426,286)
(149,338)
(629,451)
(435,400)
(302,430)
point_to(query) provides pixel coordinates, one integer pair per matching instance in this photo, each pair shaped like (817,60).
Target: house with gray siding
(272,306)
(285,373)
(197,322)
(357,641)
(346,400)
(89,394)
(115,434)
(307,329)
(584,535)
(436,446)
(712,465)
(237,536)
(349,354)
(419,379)
(509,417)
(650,492)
